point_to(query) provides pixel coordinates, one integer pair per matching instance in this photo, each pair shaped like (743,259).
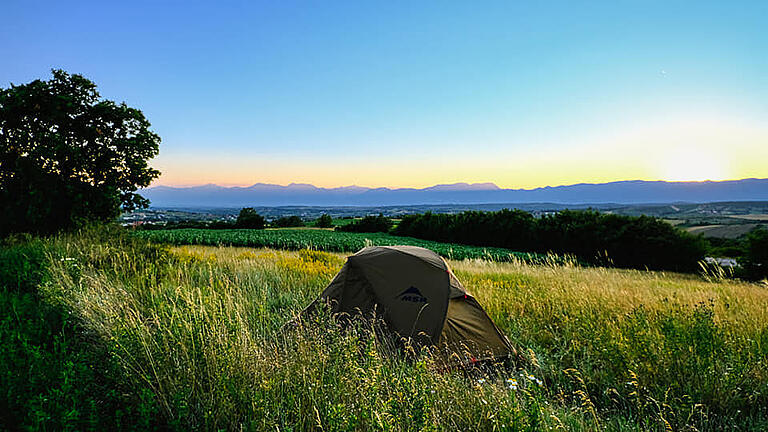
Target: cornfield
(329,241)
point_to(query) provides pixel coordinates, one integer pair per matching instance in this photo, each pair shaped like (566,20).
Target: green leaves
(68,157)
(248,218)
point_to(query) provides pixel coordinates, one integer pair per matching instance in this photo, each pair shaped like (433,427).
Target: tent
(413,291)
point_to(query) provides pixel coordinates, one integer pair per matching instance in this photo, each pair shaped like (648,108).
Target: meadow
(104,329)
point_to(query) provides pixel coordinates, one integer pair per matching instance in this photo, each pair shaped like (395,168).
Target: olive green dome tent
(417,296)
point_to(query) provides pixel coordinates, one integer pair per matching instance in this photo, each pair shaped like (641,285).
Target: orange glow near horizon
(689,149)
(678,169)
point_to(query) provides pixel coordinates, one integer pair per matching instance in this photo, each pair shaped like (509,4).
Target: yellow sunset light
(694,164)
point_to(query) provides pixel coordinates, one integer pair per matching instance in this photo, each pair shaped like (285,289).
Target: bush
(724,247)
(378,223)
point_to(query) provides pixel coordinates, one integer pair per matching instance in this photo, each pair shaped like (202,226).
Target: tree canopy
(598,238)
(369,223)
(324,221)
(248,218)
(68,157)
(756,254)
(288,221)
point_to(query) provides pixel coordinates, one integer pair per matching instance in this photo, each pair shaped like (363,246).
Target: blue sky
(522,94)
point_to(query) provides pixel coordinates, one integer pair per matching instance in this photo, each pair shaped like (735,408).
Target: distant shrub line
(247,218)
(599,238)
(640,242)
(378,223)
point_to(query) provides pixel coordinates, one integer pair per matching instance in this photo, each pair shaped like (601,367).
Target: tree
(324,221)
(68,157)
(288,221)
(378,223)
(598,238)
(248,218)
(756,253)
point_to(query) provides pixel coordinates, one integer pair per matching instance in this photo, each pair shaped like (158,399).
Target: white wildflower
(536,380)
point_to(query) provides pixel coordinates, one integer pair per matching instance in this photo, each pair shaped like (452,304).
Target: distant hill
(621,192)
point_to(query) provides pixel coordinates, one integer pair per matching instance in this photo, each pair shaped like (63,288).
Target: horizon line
(243,185)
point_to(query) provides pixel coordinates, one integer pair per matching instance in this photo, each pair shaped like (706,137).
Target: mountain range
(620,192)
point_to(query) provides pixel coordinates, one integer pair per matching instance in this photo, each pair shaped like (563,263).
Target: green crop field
(326,240)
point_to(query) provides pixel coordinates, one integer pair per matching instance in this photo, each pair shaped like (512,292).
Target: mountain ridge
(622,191)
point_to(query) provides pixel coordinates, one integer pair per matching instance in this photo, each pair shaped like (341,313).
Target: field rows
(326,240)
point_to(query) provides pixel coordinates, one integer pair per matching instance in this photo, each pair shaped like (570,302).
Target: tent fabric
(469,332)
(415,293)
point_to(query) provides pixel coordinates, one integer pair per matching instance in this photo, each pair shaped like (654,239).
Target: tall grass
(670,346)
(197,332)
(53,376)
(203,331)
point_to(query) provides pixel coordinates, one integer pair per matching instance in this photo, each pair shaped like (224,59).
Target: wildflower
(512,383)
(536,380)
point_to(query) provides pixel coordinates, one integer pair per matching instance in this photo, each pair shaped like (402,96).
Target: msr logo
(412,295)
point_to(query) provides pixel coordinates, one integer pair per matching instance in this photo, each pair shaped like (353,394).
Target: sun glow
(695,164)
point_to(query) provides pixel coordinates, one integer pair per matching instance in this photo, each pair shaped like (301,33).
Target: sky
(412,94)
